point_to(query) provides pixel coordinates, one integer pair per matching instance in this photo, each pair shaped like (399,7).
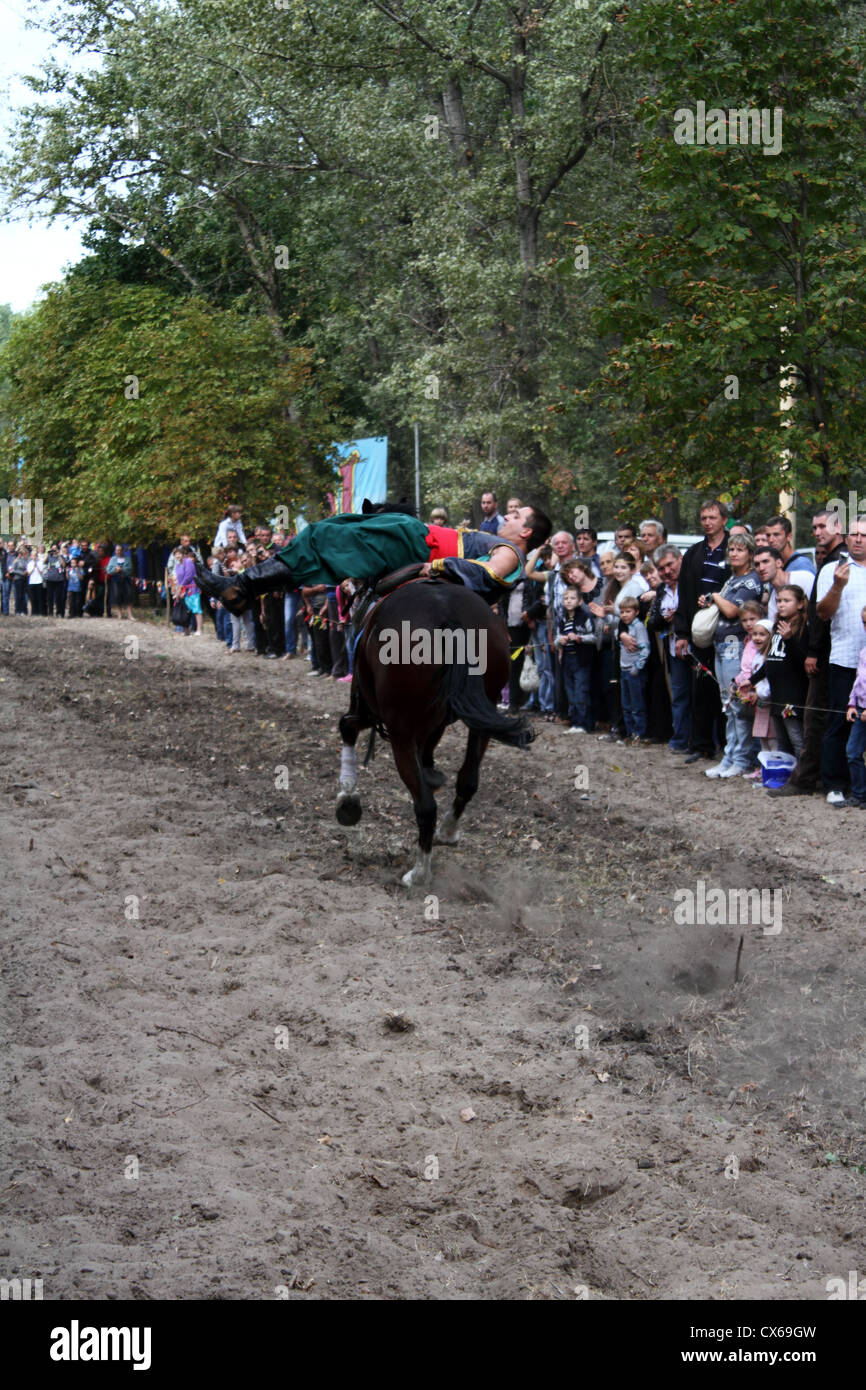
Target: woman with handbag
(187,587)
(728,639)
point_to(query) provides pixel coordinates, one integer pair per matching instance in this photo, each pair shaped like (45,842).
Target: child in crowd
(856,746)
(623,583)
(758,694)
(75,586)
(576,643)
(751,612)
(634,655)
(243,626)
(784,666)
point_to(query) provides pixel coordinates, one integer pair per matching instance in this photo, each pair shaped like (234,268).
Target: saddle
(389,582)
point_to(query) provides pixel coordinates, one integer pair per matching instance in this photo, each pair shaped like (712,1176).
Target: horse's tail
(469,701)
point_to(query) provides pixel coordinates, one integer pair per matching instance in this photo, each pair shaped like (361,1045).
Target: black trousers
(38,606)
(337,641)
(274,627)
(808,769)
(659,722)
(517,637)
(706,705)
(54,597)
(322,646)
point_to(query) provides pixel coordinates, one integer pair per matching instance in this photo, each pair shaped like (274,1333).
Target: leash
(787,711)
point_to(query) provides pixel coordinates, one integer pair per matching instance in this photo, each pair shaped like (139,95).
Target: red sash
(443,541)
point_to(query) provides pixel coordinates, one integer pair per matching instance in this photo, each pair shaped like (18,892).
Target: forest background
(314,221)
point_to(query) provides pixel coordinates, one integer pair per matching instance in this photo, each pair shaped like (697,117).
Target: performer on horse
(370,545)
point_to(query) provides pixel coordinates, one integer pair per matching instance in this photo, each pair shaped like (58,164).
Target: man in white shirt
(232,522)
(841,595)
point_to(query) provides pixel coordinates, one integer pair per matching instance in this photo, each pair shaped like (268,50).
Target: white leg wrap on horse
(421,870)
(448,832)
(348,768)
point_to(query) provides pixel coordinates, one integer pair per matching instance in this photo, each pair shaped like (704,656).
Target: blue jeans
(290,613)
(542,698)
(578,692)
(854,750)
(6,595)
(223,625)
(633,689)
(740,747)
(681,697)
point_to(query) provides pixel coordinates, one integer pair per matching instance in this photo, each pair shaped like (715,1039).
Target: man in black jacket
(704,571)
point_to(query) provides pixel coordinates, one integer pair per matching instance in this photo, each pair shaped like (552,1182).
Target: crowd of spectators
(613,637)
(612,632)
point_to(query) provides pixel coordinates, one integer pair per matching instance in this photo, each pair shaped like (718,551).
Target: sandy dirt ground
(238,1050)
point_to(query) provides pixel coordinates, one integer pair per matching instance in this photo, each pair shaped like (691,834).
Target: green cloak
(355,547)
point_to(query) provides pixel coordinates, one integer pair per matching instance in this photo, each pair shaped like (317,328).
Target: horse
(429,625)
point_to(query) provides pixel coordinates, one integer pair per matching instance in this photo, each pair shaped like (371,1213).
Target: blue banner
(363,470)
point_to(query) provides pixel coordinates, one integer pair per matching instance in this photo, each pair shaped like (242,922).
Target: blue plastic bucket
(776,768)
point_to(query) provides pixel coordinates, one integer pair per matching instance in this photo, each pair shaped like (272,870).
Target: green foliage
(735,298)
(137,414)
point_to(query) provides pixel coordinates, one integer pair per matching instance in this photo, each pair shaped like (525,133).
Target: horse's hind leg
(412,775)
(467,786)
(432,775)
(348,797)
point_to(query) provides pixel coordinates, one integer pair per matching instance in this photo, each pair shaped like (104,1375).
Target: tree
(137,413)
(419,165)
(734,299)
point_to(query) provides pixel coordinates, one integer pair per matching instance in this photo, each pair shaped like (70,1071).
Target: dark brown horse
(430,653)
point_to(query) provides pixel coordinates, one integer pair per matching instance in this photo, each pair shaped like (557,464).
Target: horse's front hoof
(420,873)
(348,808)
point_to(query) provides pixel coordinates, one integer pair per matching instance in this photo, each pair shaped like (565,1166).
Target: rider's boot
(237,591)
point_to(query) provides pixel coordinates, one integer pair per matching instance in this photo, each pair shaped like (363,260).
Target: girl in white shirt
(36,567)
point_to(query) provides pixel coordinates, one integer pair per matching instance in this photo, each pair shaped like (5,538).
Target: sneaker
(837,799)
(608,738)
(341,680)
(731,772)
(720,770)
(756,777)
(575,729)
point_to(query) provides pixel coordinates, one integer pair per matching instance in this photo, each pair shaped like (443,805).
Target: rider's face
(517,522)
